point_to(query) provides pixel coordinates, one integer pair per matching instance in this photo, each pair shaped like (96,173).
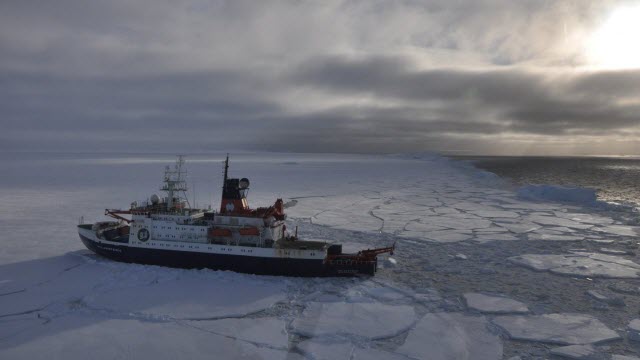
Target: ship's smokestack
(234,193)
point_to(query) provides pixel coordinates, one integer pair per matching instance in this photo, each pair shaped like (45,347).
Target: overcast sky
(467,77)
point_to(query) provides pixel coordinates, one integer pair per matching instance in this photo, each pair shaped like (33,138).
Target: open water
(616,179)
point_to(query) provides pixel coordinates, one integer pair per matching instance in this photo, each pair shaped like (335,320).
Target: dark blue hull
(245,264)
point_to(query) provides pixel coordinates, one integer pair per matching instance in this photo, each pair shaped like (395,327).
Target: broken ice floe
(634,330)
(615,300)
(615,251)
(580,264)
(624,357)
(565,329)
(332,349)
(262,331)
(366,320)
(579,352)
(494,304)
(444,336)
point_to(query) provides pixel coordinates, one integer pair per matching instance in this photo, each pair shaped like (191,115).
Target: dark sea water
(615,179)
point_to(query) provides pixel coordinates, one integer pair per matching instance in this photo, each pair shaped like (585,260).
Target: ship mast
(226,172)
(174,182)
(224,183)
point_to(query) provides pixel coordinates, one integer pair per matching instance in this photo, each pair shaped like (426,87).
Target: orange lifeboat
(219,232)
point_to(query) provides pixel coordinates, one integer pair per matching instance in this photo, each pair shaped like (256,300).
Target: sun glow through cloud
(616,44)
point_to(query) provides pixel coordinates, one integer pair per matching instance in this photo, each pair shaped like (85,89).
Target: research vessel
(167,231)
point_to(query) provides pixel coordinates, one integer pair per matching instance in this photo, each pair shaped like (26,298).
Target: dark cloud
(522,101)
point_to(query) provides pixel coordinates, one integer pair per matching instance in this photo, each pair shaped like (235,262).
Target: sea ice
(384,293)
(558,221)
(613,251)
(565,329)
(88,336)
(58,286)
(12,325)
(580,352)
(327,350)
(337,349)
(374,354)
(620,230)
(263,331)
(367,320)
(615,301)
(131,310)
(447,236)
(624,357)
(520,227)
(224,294)
(495,213)
(445,336)
(484,238)
(634,330)
(585,218)
(554,237)
(494,304)
(580,264)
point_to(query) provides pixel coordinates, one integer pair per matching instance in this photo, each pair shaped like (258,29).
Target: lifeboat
(215,232)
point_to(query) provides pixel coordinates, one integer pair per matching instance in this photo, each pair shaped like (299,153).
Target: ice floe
(366,320)
(494,304)
(83,336)
(235,295)
(258,331)
(580,264)
(565,329)
(445,336)
(580,352)
(615,300)
(333,349)
(634,330)
(624,357)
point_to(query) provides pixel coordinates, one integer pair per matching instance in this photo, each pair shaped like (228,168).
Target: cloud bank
(464,77)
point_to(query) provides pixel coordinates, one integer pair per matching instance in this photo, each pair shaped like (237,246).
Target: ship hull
(244,264)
